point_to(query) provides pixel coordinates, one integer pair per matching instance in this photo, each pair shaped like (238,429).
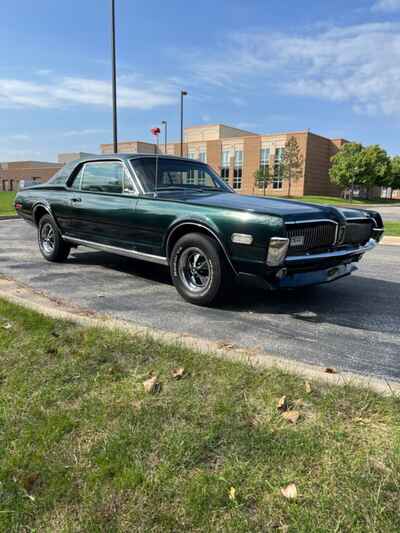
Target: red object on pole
(155,131)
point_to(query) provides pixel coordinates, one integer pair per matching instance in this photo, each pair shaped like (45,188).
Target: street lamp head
(184,93)
(163,122)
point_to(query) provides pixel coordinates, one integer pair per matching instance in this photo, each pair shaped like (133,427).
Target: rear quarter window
(61,176)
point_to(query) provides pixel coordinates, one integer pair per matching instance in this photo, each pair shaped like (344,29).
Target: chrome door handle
(76,200)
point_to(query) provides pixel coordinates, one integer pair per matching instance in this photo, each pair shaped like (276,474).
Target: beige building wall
(67,157)
(12,173)
(129,147)
(210,141)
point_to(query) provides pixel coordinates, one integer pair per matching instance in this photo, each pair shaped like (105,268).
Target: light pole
(165,124)
(183,93)
(114,78)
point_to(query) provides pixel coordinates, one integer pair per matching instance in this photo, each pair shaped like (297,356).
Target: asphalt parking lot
(352,324)
(391,213)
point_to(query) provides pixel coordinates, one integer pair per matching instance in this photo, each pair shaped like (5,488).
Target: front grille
(358,232)
(311,236)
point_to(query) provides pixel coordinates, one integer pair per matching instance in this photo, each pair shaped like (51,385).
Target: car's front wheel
(197,269)
(51,244)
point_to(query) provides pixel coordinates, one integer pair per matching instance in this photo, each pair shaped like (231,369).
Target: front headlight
(277,250)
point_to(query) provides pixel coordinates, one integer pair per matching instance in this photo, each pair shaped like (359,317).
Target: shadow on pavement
(356,302)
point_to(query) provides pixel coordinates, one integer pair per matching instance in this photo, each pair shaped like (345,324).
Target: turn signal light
(277,250)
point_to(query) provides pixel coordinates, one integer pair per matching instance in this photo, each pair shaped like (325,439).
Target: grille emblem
(297,240)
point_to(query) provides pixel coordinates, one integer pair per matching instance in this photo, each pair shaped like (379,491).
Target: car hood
(289,210)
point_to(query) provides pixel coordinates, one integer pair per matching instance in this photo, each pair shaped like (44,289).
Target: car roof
(112,157)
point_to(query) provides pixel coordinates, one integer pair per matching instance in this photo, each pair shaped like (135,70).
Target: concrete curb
(391,240)
(22,295)
(11,217)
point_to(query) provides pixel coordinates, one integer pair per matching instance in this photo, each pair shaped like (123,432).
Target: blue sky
(266,66)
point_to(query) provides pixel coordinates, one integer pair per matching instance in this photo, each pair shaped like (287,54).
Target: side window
(103,177)
(76,181)
(129,188)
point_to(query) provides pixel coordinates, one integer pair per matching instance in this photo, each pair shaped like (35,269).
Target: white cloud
(81,91)
(20,155)
(357,64)
(43,72)
(18,137)
(386,5)
(88,131)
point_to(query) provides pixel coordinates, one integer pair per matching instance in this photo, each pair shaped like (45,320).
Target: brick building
(236,154)
(12,173)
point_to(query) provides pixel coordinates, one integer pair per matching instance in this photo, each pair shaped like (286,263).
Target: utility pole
(183,93)
(165,124)
(114,78)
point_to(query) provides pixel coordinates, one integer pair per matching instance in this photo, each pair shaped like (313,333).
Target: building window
(277,182)
(191,155)
(264,160)
(264,156)
(225,165)
(225,174)
(203,156)
(238,169)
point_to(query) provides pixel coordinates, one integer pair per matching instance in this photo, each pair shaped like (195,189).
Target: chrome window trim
(108,161)
(95,161)
(160,260)
(327,255)
(133,171)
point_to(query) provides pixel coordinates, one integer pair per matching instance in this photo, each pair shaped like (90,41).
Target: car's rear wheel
(51,244)
(198,269)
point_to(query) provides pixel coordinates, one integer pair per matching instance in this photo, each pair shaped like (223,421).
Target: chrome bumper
(291,259)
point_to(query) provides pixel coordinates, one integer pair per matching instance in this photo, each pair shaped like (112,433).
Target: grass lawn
(392,228)
(340,201)
(7,203)
(85,448)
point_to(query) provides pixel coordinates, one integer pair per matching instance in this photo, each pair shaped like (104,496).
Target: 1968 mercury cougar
(179,213)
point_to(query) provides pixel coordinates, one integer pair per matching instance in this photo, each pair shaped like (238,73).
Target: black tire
(198,269)
(51,244)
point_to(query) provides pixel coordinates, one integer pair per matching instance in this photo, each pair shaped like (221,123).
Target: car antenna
(156,132)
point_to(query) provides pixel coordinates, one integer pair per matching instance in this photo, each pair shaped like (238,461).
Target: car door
(103,201)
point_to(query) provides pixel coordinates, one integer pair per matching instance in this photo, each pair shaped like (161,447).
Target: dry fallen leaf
(178,373)
(307,386)
(379,466)
(136,404)
(232,494)
(152,385)
(289,492)
(291,416)
(225,345)
(282,404)
(7,326)
(330,370)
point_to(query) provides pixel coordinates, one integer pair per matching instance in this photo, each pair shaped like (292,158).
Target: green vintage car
(179,213)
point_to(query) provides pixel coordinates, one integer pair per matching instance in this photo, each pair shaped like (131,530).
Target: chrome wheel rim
(195,270)
(47,238)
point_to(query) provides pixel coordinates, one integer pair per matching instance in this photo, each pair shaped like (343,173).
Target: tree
(356,165)
(292,162)
(262,178)
(394,178)
(348,166)
(377,167)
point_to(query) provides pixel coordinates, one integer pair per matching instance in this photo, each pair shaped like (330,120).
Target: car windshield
(176,174)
